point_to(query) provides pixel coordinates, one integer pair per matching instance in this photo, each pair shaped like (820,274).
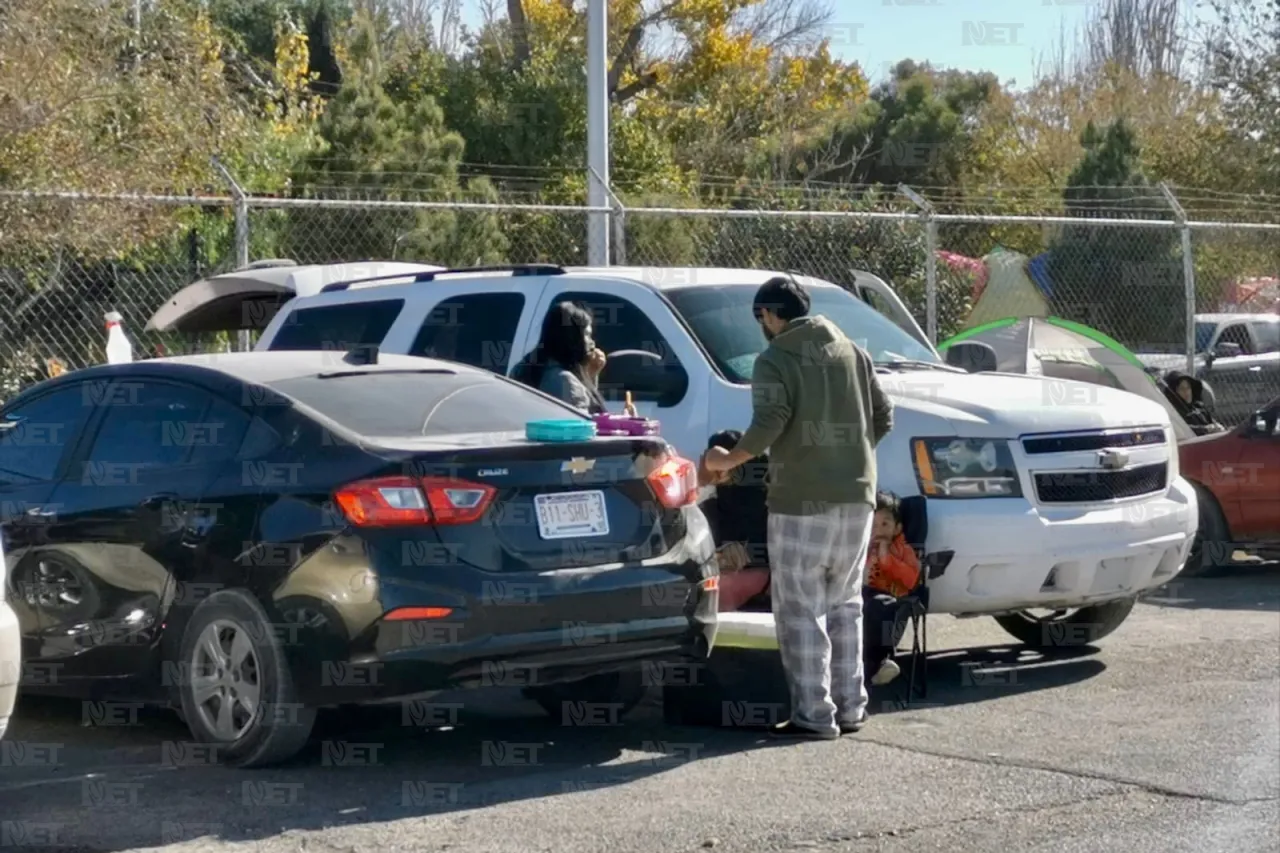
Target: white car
(10,649)
(1045,493)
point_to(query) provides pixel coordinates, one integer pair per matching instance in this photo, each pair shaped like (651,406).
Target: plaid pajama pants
(816,563)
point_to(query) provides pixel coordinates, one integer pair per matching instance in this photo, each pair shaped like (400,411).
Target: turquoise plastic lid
(560,430)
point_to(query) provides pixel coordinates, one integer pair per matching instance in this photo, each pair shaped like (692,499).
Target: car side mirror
(648,376)
(1263,423)
(1227,350)
(973,356)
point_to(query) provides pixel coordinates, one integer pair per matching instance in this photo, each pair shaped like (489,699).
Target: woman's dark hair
(784,296)
(563,341)
(888,502)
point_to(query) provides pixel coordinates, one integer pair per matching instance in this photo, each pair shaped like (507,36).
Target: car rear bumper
(1042,557)
(428,657)
(10,663)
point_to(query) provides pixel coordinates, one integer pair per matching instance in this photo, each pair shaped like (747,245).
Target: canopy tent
(1010,288)
(1060,349)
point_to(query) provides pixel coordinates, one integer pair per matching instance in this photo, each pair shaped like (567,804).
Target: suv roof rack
(418,278)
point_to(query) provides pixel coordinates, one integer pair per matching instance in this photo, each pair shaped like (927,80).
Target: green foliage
(1125,281)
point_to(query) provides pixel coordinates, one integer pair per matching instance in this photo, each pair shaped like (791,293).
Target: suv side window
(1268,336)
(339,327)
(617,325)
(1237,333)
(34,436)
(156,425)
(478,329)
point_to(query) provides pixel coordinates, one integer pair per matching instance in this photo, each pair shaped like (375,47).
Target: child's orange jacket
(897,572)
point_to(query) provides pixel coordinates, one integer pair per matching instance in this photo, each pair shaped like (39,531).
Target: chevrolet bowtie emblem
(1113,459)
(578,465)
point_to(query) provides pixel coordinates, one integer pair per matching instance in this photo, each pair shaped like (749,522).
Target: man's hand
(710,478)
(717,460)
(731,557)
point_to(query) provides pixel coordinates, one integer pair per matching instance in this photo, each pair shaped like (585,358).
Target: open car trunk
(248,299)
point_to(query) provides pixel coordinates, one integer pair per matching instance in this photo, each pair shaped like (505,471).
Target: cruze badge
(1113,459)
(578,465)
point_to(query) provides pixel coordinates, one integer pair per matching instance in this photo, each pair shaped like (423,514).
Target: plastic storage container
(611,424)
(560,430)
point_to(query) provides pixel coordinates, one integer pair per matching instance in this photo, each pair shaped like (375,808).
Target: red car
(1237,479)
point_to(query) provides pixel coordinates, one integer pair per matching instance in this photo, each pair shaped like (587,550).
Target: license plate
(568,515)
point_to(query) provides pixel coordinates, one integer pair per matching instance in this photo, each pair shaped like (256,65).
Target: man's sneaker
(887,672)
(853,727)
(794,730)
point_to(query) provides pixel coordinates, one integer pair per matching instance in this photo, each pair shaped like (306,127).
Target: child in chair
(738,516)
(892,571)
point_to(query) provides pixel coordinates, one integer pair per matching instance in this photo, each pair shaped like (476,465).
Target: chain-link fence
(65,260)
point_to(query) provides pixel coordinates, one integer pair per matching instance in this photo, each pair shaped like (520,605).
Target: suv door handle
(1257,368)
(41,512)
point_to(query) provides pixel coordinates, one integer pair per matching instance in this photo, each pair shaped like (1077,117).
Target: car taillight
(400,501)
(675,482)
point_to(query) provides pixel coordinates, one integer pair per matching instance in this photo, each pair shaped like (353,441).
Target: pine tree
(1125,281)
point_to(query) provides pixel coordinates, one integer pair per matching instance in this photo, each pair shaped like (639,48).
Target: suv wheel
(1067,629)
(623,690)
(237,691)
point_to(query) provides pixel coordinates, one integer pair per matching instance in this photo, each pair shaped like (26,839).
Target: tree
(1125,281)
(1243,54)
(375,148)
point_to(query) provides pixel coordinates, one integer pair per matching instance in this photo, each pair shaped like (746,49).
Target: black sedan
(249,537)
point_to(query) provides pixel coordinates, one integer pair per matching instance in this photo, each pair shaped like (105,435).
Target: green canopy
(1060,349)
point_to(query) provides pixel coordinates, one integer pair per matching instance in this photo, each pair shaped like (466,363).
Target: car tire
(1203,562)
(1082,627)
(265,723)
(625,688)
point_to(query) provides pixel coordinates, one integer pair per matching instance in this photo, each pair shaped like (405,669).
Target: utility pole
(597,131)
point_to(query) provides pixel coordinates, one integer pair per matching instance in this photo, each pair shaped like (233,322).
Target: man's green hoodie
(820,412)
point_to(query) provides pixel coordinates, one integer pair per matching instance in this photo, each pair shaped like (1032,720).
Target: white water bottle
(119,350)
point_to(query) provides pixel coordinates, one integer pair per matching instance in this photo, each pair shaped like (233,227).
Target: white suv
(1042,493)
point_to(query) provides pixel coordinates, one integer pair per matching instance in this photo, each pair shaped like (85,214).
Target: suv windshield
(720,316)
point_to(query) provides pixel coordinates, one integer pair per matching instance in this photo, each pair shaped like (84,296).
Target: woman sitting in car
(566,363)
(1186,392)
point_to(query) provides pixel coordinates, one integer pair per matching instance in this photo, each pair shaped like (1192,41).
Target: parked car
(10,648)
(1237,356)
(1237,476)
(248,537)
(1043,494)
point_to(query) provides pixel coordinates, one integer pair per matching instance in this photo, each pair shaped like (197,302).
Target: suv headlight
(965,468)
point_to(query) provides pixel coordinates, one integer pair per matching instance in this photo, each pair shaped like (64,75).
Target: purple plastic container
(611,424)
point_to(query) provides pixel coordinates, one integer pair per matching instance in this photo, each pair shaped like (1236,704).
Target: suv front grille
(1099,486)
(1139,437)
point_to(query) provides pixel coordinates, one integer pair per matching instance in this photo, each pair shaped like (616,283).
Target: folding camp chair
(913,608)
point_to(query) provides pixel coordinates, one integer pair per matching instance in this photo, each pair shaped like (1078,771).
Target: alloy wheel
(226,680)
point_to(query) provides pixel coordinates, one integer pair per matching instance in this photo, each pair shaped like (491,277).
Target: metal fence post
(1188,275)
(618,219)
(930,262)
(241,208)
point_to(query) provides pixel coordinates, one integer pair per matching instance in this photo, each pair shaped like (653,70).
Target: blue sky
(1006,37)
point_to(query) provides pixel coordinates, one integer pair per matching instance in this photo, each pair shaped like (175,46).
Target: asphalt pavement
(1164,738)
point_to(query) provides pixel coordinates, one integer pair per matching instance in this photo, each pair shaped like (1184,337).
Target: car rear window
(337,327)
(422,404)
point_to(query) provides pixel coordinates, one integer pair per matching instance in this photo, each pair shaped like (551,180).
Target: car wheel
(237,691)
(623,690)
(1201,561)
(1067,628)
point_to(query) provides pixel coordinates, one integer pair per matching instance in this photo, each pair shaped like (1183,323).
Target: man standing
(819,410)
